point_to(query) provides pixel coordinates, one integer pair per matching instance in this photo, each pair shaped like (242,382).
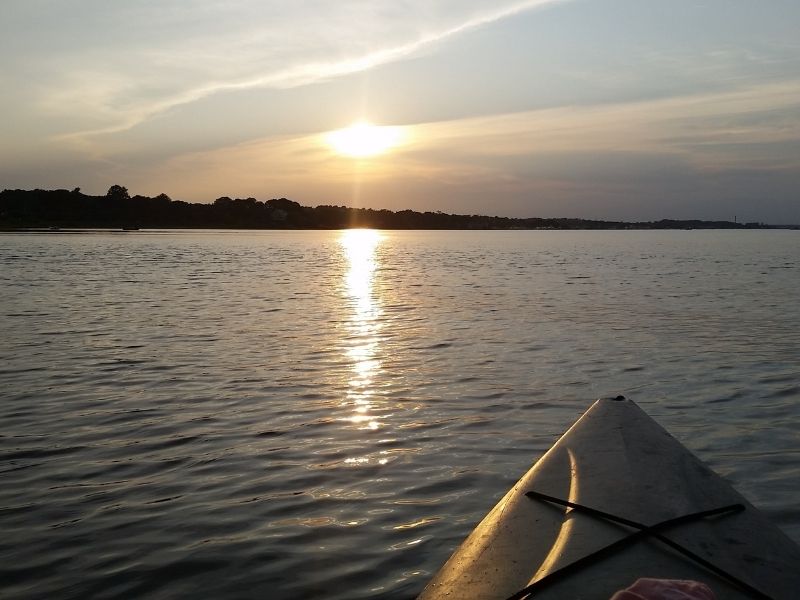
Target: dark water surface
(322,415)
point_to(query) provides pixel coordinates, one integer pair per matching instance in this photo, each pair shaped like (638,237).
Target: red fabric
(665,589)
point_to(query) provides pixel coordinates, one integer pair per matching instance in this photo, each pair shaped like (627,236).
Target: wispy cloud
(604,149)
(693,125)
(105,92)
(195,98)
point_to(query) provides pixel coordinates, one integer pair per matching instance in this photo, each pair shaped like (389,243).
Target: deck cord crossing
(643,531)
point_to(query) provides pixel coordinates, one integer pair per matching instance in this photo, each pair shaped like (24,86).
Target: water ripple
(291,415)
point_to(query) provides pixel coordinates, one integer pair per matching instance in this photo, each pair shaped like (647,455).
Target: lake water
(327,415)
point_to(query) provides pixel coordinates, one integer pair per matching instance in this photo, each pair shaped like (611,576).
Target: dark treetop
(117,209)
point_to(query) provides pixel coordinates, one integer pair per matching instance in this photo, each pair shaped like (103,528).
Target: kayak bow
(615,499)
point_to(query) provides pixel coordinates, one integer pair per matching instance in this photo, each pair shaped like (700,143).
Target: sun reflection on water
(360,247)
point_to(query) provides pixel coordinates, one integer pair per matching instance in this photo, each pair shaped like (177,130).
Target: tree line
(118,209)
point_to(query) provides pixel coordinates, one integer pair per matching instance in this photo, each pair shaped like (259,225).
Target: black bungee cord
(643,531)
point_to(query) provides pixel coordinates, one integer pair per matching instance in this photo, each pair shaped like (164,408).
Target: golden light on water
(363,349)
(363,139)
(359,246)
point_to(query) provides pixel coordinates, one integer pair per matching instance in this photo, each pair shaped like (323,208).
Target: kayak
(617,499)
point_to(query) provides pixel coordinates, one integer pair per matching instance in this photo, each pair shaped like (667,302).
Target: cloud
(130,82)
(694,126)
(228,96)
(605,161)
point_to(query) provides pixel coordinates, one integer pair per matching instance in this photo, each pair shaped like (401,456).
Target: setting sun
(363,139)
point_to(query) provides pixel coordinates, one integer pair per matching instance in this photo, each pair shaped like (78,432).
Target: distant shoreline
(119,230)
(48,211)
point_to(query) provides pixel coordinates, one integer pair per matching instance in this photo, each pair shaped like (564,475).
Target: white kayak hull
(617,459)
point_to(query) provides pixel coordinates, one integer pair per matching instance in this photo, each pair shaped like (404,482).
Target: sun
(363,139)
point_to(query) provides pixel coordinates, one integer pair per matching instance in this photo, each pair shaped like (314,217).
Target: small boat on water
(614,500)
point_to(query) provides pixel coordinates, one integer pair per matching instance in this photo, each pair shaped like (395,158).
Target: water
(314,414)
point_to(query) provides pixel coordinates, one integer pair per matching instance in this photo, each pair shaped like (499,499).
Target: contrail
(309,73)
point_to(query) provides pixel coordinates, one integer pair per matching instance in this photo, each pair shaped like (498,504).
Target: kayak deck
(618,460)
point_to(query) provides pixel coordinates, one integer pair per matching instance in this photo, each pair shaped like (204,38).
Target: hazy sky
(610,109)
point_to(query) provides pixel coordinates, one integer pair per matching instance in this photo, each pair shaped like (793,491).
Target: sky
(605,109)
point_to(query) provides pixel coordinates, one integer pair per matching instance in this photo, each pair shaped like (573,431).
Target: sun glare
(362,139)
